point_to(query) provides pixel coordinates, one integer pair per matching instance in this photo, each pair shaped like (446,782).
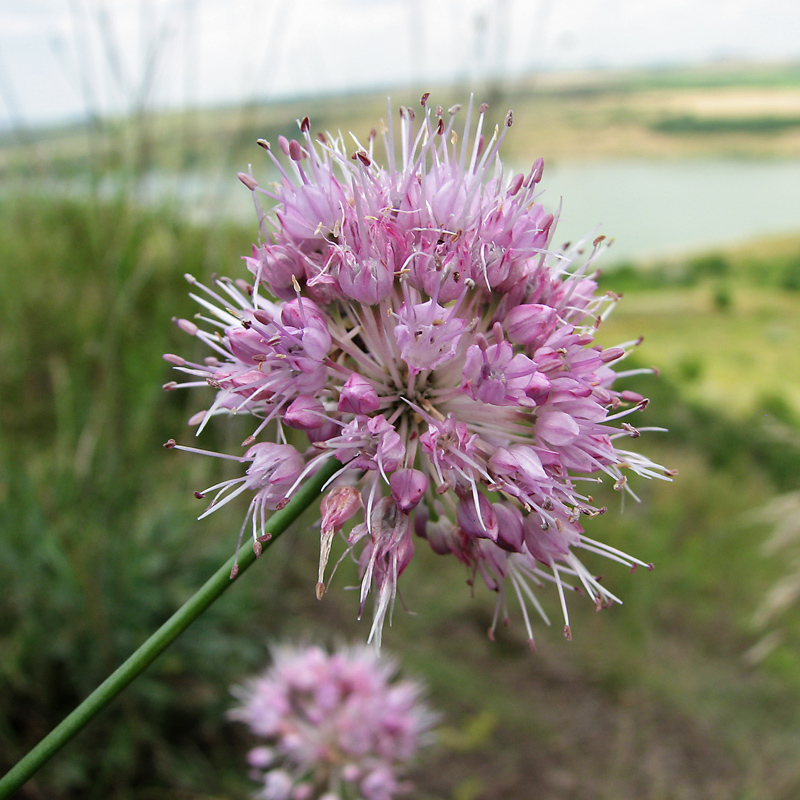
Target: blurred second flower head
(334,725)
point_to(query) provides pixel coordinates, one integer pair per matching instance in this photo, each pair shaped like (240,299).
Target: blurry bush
(97,545)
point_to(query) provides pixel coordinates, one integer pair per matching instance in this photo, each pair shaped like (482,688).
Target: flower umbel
(415,324)
(334,725)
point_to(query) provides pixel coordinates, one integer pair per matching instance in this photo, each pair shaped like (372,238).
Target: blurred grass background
(676,694)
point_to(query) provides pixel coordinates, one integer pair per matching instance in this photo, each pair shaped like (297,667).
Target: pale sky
(62,59)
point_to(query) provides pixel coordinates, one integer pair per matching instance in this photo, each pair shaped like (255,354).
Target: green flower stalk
(160,640)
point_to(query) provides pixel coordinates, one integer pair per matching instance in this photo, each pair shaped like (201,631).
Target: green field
(723,326)
(732,110)
(664,697)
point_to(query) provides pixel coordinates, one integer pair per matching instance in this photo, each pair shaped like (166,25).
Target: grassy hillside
(652,700)
(728,109)
(722,325)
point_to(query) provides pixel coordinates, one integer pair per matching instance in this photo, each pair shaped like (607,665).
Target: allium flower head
(334,725)
(414,322)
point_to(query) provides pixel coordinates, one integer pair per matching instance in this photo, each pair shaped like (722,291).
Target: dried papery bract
(415,322)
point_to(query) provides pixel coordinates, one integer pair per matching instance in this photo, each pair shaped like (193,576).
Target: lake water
(654,208)
(650,208)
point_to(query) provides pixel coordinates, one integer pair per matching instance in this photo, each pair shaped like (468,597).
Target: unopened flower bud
(480,522)
(531,323)
(304,413)
(408,487)
(358,396)
(509,527)
(557,428)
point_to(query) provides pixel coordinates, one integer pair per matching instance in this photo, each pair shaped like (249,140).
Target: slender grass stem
(160,640)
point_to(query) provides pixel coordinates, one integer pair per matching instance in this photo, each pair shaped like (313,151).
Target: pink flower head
(333,724)
(412,323)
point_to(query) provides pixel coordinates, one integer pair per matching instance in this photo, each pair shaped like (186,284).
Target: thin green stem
(160,640)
